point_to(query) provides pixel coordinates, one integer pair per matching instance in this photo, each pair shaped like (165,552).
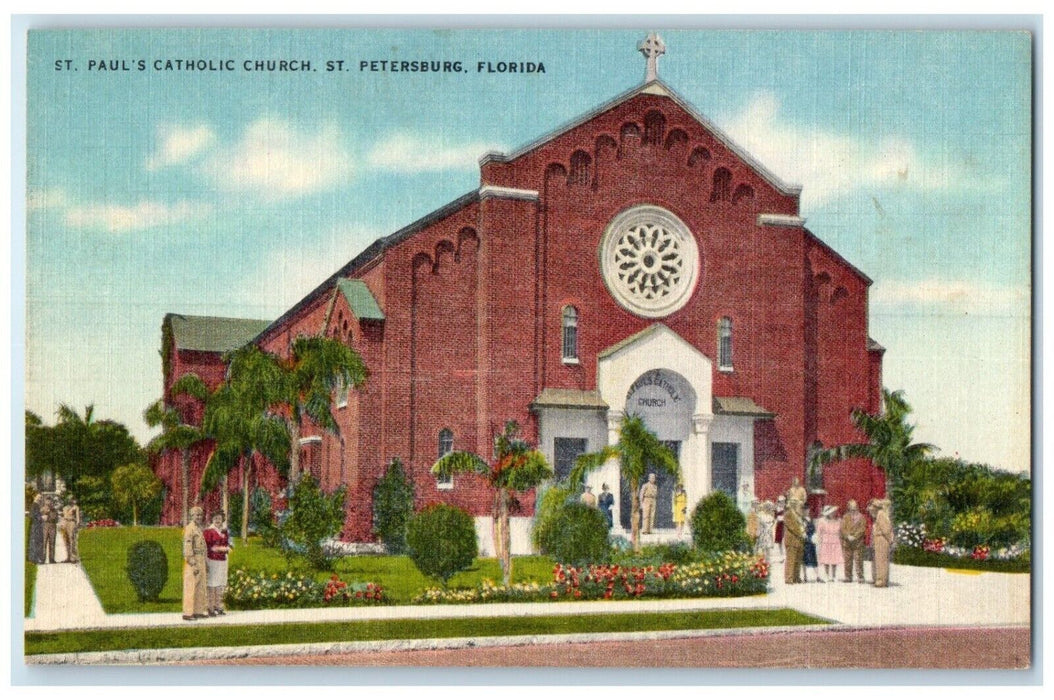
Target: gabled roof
(361,300)
(655,87)
(213,333)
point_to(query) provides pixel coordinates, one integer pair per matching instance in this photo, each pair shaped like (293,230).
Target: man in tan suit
(793,541)
(854,527)
(194,566)
(797,492)
(649,492)
(881,540)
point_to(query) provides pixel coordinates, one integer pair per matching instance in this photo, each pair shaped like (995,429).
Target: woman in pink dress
(829,535)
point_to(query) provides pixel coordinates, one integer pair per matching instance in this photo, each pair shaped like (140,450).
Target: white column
(609,474)
(696,465)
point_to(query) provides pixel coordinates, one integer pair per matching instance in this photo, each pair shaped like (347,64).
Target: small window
(446,446)
(724,344)
(570,326)
(722,191)
(342,396)
(579,174)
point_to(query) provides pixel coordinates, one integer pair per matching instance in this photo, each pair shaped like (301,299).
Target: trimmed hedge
(441,541)
(718,526)
(575,534)
(147,569)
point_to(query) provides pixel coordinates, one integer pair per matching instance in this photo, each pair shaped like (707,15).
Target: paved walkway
(918,596)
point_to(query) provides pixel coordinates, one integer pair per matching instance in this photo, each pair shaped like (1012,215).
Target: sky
(233,192)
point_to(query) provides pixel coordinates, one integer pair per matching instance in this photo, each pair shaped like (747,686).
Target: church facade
(635,261)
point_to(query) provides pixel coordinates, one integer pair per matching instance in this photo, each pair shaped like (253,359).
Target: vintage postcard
(463,347)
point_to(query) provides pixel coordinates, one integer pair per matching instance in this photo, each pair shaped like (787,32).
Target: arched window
(722,191)
(724,344)
(446,446)
(579,174)
(570,335)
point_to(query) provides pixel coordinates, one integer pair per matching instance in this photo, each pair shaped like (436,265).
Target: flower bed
(916,548)
(105,522)
(259,590)
(729,574)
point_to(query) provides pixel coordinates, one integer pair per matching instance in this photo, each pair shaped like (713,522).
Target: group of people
(648,495)
(828,541)
(204,565)
(48,518)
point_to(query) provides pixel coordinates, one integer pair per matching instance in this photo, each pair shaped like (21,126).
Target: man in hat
(793,541)
(649,492)
(194,550)
(854,527)
(587,497)
(881,540)
(606,501)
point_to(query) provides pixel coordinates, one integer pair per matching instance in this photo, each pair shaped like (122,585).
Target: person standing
(649,492)
(753,525)
(680,508)
(606,503)
(809,560)
(780,515)
(881,540)
(588,498)
(796,492)
(853,529)
(829,533)
(194,550)
(36,531)
(793,542)
(68,526)
(49,516)
(766,526)
(218,544)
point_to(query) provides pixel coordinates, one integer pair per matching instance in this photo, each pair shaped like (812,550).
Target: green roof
(213,333)
(361,300)
(569,398)
(739,406)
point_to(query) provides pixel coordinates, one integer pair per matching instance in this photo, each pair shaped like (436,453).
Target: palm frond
(590,462)
(459,462)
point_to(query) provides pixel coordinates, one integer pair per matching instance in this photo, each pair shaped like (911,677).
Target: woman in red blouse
(218,543)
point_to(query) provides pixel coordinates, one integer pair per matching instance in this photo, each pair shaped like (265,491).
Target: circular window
(649,261)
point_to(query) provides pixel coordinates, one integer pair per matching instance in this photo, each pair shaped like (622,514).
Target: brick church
(634,261)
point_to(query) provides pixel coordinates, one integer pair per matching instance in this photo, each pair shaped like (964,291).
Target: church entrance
(665,401)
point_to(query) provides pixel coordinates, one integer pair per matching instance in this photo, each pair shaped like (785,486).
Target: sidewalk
(917,596)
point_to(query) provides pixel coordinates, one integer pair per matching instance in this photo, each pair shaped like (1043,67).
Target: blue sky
(234,193)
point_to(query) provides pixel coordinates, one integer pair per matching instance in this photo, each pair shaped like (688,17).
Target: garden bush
(575,534)
(717,524)
(260,515)
(441,541)
(147,569)
(393,505)
(313,517)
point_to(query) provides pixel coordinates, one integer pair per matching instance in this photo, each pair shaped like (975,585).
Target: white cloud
(117,218)
(828,164)
(41,200)
(285,275)
(950,297)
(407,153)
(274,160)
(179,144)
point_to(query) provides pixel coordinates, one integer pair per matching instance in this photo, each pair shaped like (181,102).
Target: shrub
(441,541)
(260,516)
(575,534)
(717,524)
(314,516)
(147,569)
(393,505)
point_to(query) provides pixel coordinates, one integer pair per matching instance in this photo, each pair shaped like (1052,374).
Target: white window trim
(445,485)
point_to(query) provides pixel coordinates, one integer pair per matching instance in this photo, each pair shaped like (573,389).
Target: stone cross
(652,47)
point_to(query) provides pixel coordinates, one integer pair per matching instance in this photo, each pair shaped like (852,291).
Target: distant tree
(177,434)
(133,485)
(314,516)
(517,467)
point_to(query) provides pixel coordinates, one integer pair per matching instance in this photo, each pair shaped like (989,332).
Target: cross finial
(652,47)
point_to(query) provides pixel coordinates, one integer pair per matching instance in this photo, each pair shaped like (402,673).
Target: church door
(664,501)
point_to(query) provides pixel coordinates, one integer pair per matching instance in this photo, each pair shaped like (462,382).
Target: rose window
(650,261)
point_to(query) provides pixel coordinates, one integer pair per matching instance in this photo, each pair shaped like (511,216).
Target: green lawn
(918,557)
(31,582)
(104,553)
(306,633)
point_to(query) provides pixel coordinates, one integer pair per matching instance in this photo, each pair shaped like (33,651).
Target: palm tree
(639,452)
(177,435)
(238,418)
(517,467)
(317,367)
(888,445)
